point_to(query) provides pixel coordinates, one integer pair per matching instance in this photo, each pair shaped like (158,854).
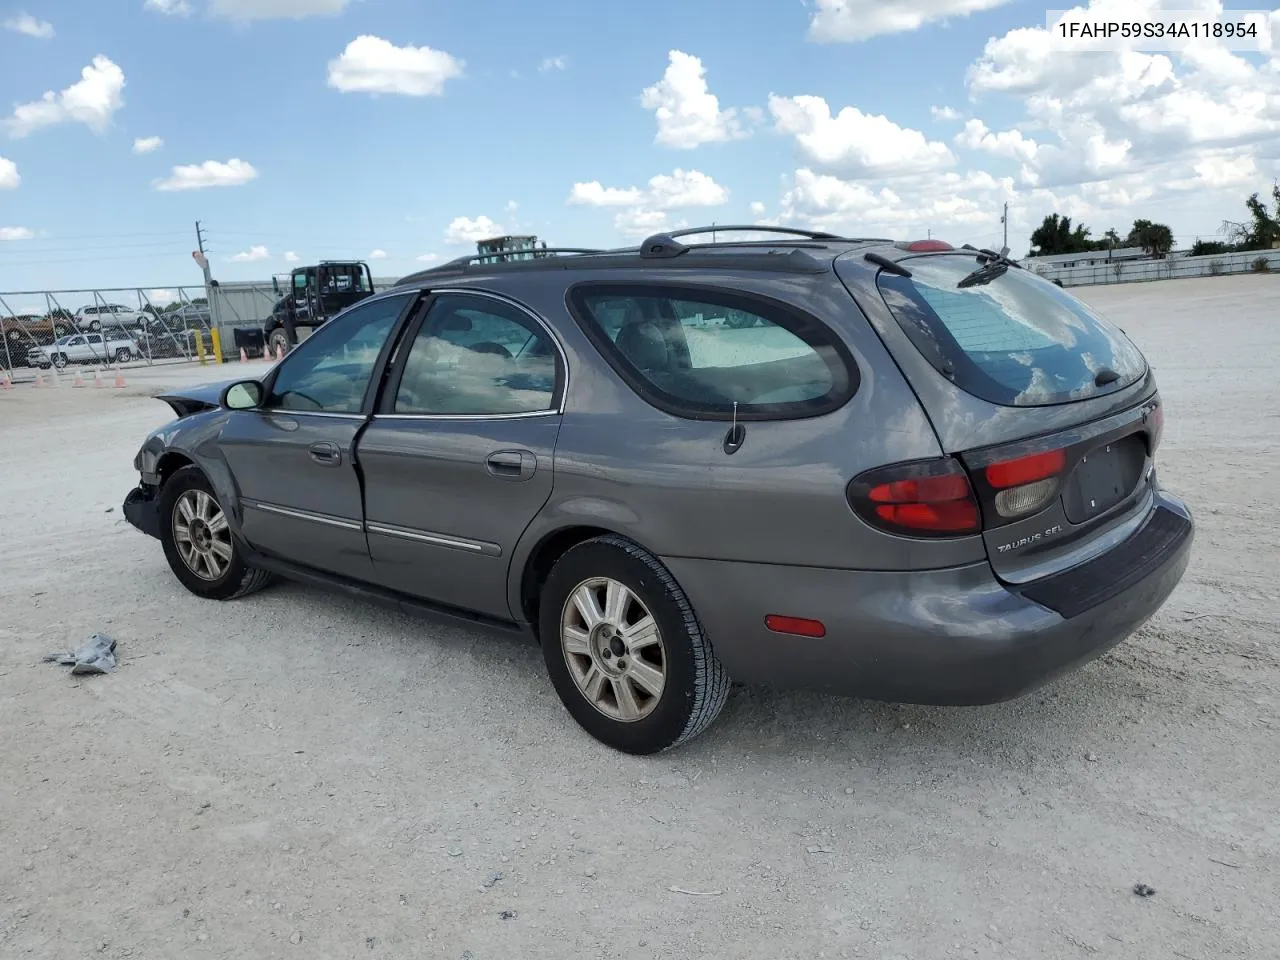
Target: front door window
(330,371)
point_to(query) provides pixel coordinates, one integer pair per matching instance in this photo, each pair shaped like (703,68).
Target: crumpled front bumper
(142,509)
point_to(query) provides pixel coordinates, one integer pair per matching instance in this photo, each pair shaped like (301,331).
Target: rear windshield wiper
(993,265)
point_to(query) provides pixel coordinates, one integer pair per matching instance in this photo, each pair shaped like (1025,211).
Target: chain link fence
(131,326)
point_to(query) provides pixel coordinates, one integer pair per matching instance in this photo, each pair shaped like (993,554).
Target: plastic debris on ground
(96,655)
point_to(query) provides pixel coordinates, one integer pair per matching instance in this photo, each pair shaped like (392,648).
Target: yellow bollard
(217,345)
(200,348)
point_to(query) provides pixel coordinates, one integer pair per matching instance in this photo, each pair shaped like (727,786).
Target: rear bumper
(142,510)
(957,636)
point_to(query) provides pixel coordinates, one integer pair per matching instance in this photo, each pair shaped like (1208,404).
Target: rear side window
(695,352)
(1013,339)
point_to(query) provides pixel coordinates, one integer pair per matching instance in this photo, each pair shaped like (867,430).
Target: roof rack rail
(752,228)
(662,246)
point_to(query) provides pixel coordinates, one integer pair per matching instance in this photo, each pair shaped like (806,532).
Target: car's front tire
(123,355)
(625,650)
(60,361)
(278,342)
(198,543)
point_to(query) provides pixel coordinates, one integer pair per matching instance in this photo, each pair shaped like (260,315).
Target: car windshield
(1014,338)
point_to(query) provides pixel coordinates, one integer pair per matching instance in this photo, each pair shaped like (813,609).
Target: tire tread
(711,680)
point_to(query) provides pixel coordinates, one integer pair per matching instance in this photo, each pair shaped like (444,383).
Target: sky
(401,131)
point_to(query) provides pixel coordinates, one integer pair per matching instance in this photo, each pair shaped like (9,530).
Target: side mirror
(243,395)
(275,286)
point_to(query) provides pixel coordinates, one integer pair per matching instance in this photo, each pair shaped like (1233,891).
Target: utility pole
(199,238)
(1004,219)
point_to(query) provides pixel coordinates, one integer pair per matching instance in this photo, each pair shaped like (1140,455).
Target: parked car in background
(174,333)
(84,348)
(97,316)
(905,471)
(24,331)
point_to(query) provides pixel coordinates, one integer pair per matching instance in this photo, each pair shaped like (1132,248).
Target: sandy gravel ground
(299,775)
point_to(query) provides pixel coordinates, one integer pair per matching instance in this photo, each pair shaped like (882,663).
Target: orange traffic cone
(79,381)
(39,379)
(244,357)
(6,383)
(119,382)
(279,352)
(97,380)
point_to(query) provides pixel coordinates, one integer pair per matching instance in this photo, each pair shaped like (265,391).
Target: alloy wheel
(614,649)
(202,535)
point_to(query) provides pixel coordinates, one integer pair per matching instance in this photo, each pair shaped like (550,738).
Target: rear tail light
(1026,484)
(925,498)
(1155,428)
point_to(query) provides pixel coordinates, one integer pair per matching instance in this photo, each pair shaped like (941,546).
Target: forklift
(315,295)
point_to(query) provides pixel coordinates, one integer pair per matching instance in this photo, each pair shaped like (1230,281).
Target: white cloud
(147,144)
(26,24)
(428,258)
(15,233)
(276,9)
(161,298)
(594,194)
(1113,113)
(291,257)
(211,173)
(685,188)
(377,255)
(680,188)
(252,255)
(688,113)
(854,142)
(92,100)
(463,230)
(9,178)
(372,65)
(967,204)
(948,114)
(757,208)
(1007,143)
(553,63)
(639,222)
(842,21)
(169,8)
(646,210)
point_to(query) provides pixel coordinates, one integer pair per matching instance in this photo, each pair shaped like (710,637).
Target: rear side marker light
(1027,484)
(795,625)
(930,498)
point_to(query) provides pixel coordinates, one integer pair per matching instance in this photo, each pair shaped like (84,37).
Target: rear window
(1016,340)
(696,352)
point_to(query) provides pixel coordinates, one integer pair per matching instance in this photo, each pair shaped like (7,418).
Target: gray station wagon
(900,471)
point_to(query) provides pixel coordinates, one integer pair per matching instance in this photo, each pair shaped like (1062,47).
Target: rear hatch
(1050,408)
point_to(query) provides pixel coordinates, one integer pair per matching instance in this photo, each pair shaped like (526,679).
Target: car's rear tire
(60,361)
(642,677)
(198,543)
(123,355)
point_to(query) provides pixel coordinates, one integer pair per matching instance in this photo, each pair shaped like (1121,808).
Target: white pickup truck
(83,348)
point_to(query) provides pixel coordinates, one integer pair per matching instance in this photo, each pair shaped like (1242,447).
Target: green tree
(1265,229)
(1056,235)
(1154,238)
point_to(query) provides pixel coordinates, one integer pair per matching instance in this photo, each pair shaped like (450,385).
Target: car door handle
(511,464)
(325,453)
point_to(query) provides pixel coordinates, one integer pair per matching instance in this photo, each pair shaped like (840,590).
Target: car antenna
(737,434)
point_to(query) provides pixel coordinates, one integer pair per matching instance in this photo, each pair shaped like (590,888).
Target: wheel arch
(542,556)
